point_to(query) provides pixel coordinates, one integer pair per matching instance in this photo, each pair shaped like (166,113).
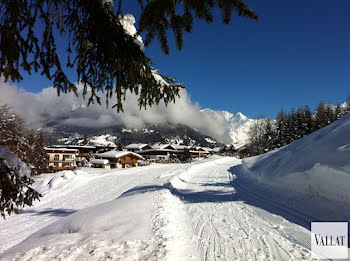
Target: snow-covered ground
(311,174)
(159,212)
(218,208)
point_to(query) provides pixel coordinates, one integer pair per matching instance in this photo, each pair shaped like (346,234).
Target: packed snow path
(194,211)
(224,225)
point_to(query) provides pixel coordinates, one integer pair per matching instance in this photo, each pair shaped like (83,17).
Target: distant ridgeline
(165,133)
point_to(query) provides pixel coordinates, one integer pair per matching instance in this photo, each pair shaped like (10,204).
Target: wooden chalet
(84,152)
(121,159)
(100,163)
(61,158)
(160,154)
(199,152)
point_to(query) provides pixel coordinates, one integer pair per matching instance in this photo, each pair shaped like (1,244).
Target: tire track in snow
(225,227)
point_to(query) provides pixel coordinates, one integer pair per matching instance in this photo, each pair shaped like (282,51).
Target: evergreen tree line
(266,135)
(27,144)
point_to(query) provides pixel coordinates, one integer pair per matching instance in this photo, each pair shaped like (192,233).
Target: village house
(100,163)
(137,147)
(61,158)
(84,152)
(160,154)
(199,152)
(120,159)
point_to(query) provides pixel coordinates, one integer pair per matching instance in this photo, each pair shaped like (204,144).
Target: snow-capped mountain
(229,128)
(176,134)
(236,125)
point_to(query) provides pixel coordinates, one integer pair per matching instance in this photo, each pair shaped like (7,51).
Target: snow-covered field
(218,208)
(158,212)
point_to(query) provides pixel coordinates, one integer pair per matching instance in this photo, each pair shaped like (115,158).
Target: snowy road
(223,226)
(194,211)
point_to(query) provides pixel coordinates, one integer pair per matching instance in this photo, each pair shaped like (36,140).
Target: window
(65,157)
(56,157)
(65,164)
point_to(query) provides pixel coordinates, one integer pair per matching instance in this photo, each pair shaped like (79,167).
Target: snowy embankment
(72,200)
(312,173)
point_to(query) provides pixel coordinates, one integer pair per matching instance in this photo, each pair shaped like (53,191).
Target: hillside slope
(313,172)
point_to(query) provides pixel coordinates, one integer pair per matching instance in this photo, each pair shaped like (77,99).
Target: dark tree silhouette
(104,55)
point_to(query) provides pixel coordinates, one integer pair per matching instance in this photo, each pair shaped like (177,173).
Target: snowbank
(316,166)
(58,180)
(15,163)
(121,228)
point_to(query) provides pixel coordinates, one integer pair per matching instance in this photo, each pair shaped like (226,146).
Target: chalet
(120,159)
(100,163)
(137,147)
(199,152)
(61,158)
(160,154)
(84,152)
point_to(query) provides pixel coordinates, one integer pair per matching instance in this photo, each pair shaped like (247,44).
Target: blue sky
(297,53)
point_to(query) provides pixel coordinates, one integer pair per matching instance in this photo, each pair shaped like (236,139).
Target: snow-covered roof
(163,150)
(161,146)
(99,161)
(117,154)
(180,147)
(74,146)
(61,149)
(136,146)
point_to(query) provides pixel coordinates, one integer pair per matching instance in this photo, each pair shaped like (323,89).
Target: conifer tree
(300,126)
(347,106)
(186,155)
(338,112)
(105,57)
(85,140)
(329,114)
(320,116)
(15,188)
(11,133)
(120,146)
(40,161)
(308,120)
(281,129)
(31,154)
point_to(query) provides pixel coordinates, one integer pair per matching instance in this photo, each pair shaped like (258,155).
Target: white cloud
(40,108)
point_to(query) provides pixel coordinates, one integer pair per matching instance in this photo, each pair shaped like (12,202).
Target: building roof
(99,161)
(180,147)
(161,150)
(61,149)
(136,146)
(74,146)
(117,154)
(162,146)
